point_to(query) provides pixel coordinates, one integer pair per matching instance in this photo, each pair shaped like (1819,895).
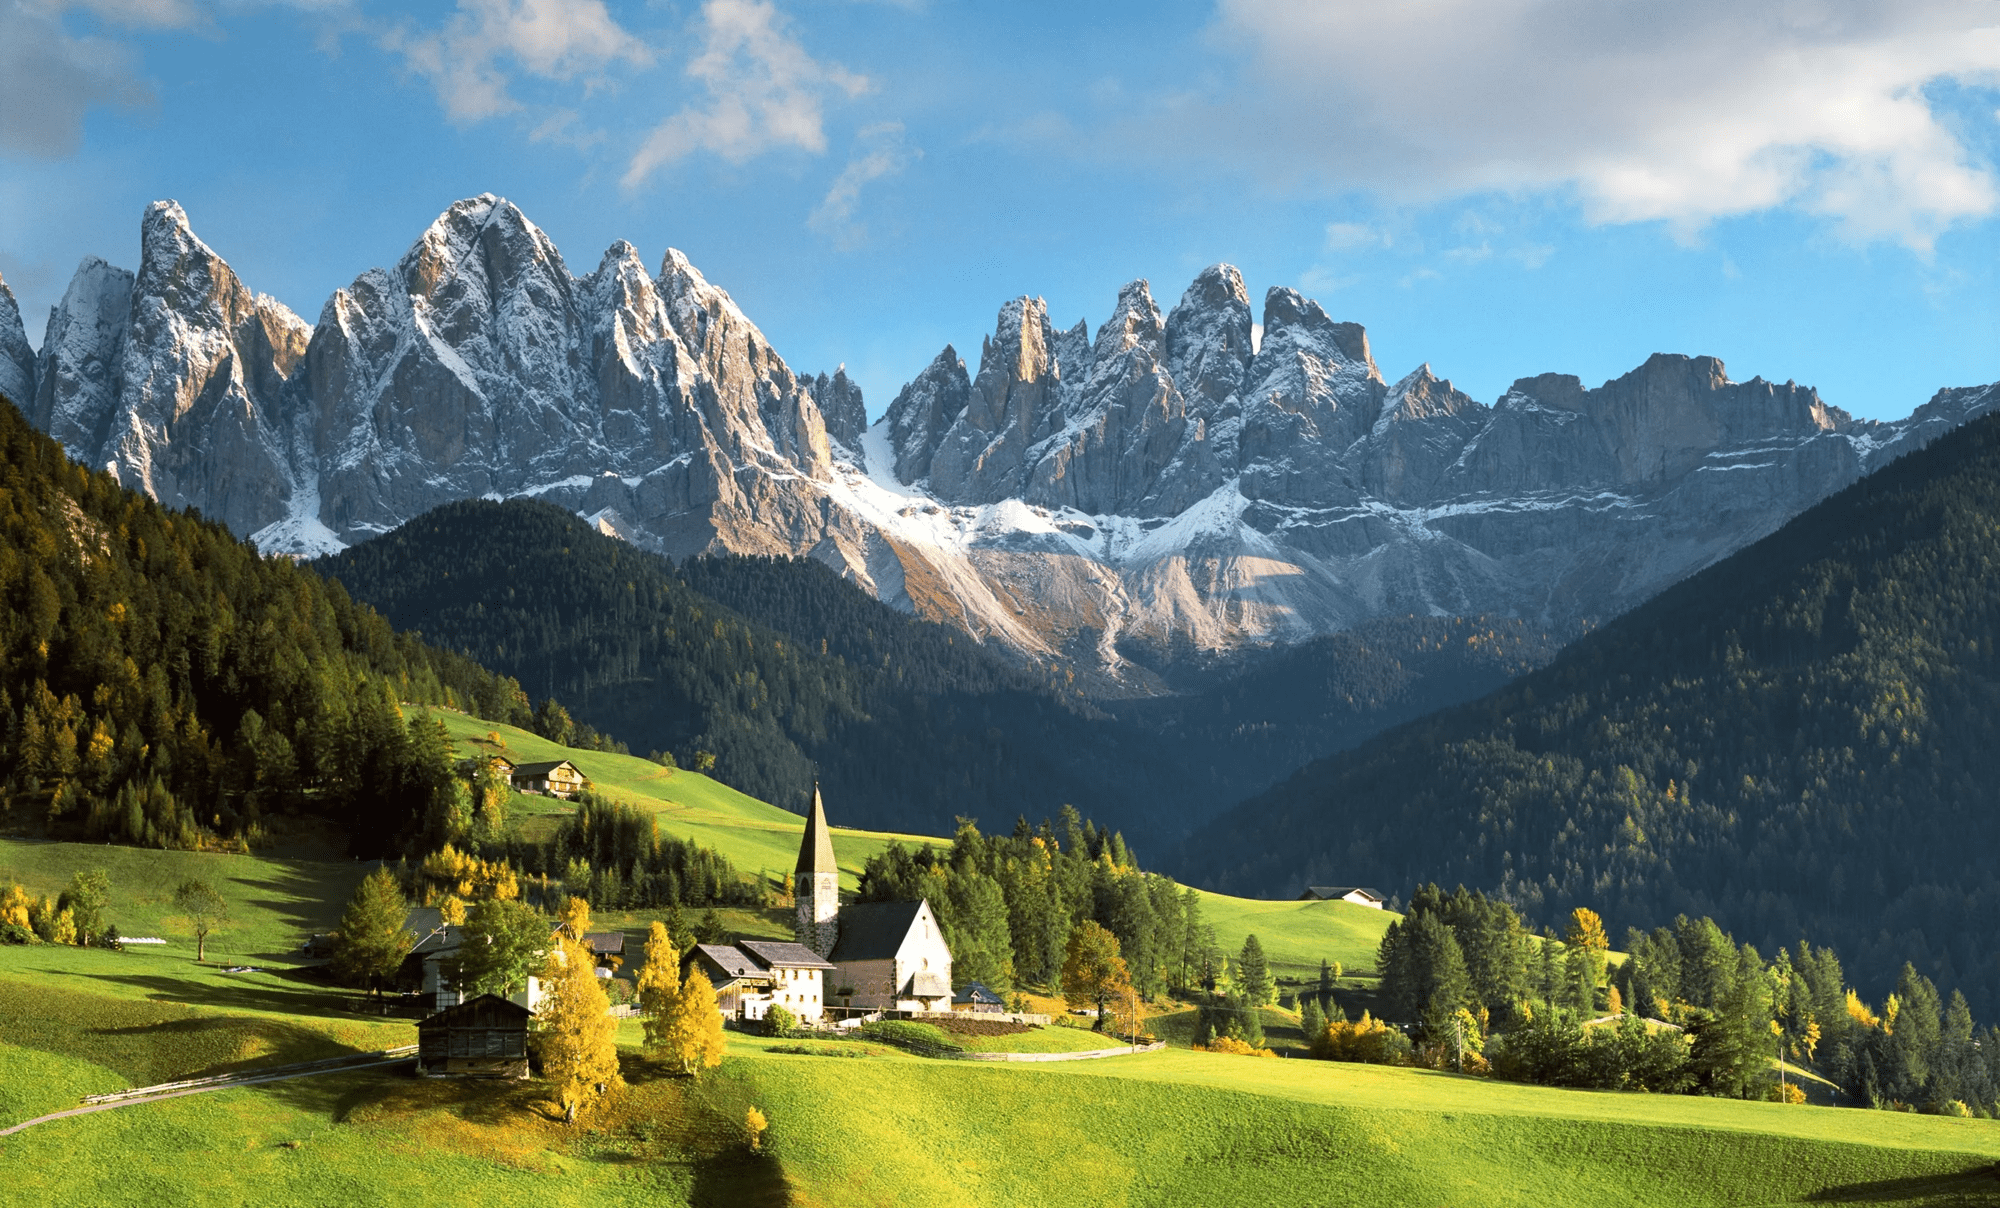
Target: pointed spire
(816,848)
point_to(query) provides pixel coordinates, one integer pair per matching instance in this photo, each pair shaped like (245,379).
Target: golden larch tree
(659,985)
(578,1036)
(694,1027)
(1093,972)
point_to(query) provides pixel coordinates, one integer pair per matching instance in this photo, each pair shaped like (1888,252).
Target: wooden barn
(555,778)
(485,1037)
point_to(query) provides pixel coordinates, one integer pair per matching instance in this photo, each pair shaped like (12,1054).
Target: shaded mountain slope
(1801,739)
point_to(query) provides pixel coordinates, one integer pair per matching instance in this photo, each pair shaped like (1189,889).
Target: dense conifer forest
(1800,740)
(163,684)
(911,722)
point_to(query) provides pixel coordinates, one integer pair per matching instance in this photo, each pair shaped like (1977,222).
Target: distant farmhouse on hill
(1359,895)
(865,956)
(554,778)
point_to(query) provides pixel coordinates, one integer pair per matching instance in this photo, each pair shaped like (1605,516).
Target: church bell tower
(816,883)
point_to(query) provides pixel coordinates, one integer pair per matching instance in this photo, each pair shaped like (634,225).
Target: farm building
(555,778)
(974,996)
(484,1038)
(428,969)
(608,947)
(885,955)
(752,976)
(1356,894)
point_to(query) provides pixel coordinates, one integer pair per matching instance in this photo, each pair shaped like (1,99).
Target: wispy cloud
(472,58)
(1680,113)
(764,92)
(879,151)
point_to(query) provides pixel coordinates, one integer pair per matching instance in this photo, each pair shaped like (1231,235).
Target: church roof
(816,847)
(873,931)
(783,952)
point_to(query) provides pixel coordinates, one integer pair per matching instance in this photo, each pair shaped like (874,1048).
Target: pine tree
(578,1037)
(372,941)
(1328,975)
(1312,1021)
(659,985)
(1253,974)
(694,1040)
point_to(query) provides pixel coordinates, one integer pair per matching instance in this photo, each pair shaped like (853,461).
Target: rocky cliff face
(1120,500)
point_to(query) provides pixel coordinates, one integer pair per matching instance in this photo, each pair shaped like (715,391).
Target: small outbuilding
(485,1037)
(974,996)
(1357,894)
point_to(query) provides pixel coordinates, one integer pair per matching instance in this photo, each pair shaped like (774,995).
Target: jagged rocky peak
(840,402)
(923,412)
(1208,337)
(1073,354)
(1423,395)
(17,358)
(1135,323)
(1016,399)
(1292,320)
(77,371)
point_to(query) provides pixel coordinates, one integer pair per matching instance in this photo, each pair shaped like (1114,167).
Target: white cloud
(471,58)
(1353,236)
(879,151)
(764,91)
(1684,113)
(49,79)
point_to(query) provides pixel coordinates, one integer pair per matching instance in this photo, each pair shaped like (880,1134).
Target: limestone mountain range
(1166,488)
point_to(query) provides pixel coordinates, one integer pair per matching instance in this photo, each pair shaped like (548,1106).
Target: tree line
(163,684)
(1008,904)
(1797,740)
(1690,1009)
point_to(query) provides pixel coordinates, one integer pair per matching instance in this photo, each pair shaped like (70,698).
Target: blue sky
(1806,189)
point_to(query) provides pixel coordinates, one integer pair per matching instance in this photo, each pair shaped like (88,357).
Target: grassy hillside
(752,834)
(1297,936)
(1171,1128)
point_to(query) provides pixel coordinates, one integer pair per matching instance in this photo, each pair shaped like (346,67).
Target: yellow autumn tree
(14,906)
(694,1028)
(1586,931)
(575,918)
(578,1036)
(659,985)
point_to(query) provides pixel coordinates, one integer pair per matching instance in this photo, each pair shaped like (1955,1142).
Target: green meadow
(851,1122)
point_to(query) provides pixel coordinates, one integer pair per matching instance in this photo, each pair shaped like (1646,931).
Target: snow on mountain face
(1165,486)
(17,359)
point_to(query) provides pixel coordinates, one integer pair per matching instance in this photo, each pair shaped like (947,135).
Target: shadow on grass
(253,1043)
(302,993)
(1980,1186)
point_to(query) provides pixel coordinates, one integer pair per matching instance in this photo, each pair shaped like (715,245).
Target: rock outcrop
(1164,487)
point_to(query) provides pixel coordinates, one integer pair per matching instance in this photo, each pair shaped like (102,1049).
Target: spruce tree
(1253,975)
(372,941)
(1312,1021)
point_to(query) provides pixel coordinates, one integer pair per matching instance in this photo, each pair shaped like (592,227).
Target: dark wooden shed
(485,1037)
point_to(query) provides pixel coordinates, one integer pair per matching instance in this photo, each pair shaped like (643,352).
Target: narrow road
(175,1090)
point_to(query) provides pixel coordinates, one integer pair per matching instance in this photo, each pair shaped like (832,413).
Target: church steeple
(816,882)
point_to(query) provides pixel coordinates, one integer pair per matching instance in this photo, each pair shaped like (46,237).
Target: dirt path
(175,1090)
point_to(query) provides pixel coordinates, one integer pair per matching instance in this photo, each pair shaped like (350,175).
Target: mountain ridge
(1118,502)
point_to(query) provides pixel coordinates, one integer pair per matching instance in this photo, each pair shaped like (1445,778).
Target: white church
(865,956)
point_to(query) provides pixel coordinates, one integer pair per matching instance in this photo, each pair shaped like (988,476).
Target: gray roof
(873,931)
(427,922)
(816,845)
(543,768)
(1332,892)
(605,942)
(730,959)
(976,992)
(783,952)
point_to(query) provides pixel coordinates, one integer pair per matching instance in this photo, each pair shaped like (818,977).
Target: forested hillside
(1799,740)
(906,720)
(162,683)
(1284,708)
